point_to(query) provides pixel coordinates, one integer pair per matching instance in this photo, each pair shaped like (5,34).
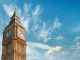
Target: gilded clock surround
(14,46)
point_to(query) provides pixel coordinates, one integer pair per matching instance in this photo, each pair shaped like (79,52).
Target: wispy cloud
(75,47)
(45,32)
(37,10)
(25,22)
(53,50)
(39,45)
(27,8)
(56,24)
(32,46)
(60,37)
(8,9)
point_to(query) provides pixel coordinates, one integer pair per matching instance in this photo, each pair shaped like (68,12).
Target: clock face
(21,33)
(8,33)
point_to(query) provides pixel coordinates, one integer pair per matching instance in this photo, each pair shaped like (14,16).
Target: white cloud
(8,9)
(53,50)
(37,10)
(39,45)
(59,37)
(27,8)
(33,53)
(76,46)
(2,24)
(26,22)
(56,23)
(45,32)
(30,17)
(44,46)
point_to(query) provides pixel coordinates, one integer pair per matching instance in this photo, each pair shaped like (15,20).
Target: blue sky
(53,27)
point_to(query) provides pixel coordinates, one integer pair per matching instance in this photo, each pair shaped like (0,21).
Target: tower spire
(15,11)
(14,16)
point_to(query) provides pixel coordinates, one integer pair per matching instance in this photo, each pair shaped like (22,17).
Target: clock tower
(14,40)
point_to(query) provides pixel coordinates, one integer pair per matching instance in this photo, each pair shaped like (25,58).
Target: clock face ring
(21,33)
(8,33)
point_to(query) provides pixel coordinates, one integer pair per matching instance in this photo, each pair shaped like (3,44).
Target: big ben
(14,40)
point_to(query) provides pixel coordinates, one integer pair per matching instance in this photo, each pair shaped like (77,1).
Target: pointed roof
(14,16)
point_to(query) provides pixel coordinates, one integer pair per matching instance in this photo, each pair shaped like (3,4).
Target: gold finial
(14,16)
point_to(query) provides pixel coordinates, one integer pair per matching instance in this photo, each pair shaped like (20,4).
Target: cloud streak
(76,46)
(33,46)
(45,32)
(8,9)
